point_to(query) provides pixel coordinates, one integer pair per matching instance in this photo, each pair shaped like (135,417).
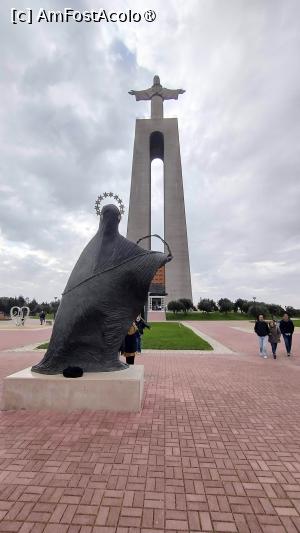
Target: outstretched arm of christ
(171,94)
(142,95)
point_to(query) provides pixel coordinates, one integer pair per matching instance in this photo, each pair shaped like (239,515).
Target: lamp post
(55,309)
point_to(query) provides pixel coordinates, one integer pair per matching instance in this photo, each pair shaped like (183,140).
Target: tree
(246,306)
(242,305)
(54,306)
(207,305)
(46,307)
(258,308)
(4,305)
(33,306)
(7,303)
(290,310)
(175,306)
(186,303)
(225,305)
(275,309)
(21,301)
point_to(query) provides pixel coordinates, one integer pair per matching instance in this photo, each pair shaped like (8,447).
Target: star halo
(108,195)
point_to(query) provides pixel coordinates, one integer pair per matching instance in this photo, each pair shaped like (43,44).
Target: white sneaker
(265,357)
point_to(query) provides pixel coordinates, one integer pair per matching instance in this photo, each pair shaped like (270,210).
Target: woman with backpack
(274,336)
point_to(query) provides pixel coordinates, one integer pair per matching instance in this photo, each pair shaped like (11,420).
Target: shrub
(258,308)
(175,306)
(186,303)
(207,305)
(225,305)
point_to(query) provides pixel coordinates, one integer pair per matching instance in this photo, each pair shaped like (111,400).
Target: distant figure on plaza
(141,324)
(274,336)
(286,326)
(130,344)
(42,316)
(261,329)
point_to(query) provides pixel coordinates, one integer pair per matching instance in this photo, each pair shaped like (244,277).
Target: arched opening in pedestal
(157,203)
(157,188)
(156,299)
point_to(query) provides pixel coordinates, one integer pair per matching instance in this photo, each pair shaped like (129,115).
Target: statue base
(109,391)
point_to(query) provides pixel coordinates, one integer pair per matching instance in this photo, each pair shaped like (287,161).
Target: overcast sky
(67,130)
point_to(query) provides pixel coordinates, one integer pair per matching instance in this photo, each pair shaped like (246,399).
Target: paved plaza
(216,447)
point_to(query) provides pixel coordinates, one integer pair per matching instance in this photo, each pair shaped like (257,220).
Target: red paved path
(17,338)
(240,341)
(216,448)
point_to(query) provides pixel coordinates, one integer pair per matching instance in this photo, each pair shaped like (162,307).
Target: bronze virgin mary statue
(107,289)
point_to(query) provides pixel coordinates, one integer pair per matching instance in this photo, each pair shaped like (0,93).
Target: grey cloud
(67,127)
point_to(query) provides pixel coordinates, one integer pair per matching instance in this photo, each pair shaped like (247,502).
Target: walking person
(42,316)
(274,336)
(261,329)
(130,345)
(141,324)
(286,326)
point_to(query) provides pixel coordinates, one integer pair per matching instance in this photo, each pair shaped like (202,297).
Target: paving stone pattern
(216,448)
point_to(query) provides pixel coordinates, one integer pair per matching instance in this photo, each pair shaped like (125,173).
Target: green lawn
(165,336)
(296,322)
(174,336)
(216,315)
(43,346)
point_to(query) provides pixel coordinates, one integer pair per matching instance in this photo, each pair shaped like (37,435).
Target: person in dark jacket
(130,345)
(274,336)
(286,326)
(141,324)
(42,317)
(261,329)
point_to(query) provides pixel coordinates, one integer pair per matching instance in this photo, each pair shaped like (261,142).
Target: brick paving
(239,341)
(10,339)
(216,448)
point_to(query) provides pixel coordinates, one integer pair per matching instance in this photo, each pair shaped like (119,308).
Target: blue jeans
(288,342)
(138,342)
(263,343)
(274,347)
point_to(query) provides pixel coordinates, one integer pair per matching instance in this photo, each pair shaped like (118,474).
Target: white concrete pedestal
(109,391)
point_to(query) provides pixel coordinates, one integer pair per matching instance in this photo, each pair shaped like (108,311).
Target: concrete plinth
(109,391)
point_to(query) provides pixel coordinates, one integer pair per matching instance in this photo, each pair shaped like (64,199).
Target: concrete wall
(139,216)
(178,278)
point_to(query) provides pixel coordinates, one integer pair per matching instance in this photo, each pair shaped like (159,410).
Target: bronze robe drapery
(106,291)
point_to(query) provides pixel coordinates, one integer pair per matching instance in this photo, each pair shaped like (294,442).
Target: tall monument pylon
(157,137)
